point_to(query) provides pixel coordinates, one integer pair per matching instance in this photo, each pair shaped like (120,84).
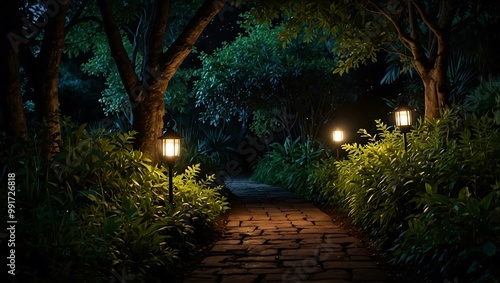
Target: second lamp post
(338,137)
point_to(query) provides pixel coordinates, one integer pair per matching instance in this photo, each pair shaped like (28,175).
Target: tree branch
(471,18)
(155,34)
(432,26)
(395,51)
(118,52)
(135,35)
(76,17)
(181,47)
(399,30)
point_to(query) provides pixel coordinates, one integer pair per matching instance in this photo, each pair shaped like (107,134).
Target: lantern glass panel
(171,147)
(338,136)
(403,118)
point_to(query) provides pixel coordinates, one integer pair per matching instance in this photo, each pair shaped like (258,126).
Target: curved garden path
(273,235)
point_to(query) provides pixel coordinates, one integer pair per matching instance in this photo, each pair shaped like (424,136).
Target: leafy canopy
(354,34)
(363,28)
(255,72)
(87,39)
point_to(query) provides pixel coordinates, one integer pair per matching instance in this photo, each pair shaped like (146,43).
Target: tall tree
(10,87)
(36,32)
(146,90)
(417,30)
(42,68)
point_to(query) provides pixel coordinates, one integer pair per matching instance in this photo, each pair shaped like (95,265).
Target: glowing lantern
(403,117)
(169,146)
(338,136)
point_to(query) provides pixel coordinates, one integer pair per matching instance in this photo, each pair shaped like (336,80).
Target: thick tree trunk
(12,100)
(147,94)
(43,76)
(10,91)
(47,79)
(435,78)
(432,60)
(168,64)
(148,122)
(436,94)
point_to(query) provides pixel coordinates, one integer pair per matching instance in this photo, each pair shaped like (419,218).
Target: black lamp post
(169,146)
(403,117)
(338,137)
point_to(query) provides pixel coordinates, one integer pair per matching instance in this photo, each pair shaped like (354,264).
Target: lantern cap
(403,106)
(170,134)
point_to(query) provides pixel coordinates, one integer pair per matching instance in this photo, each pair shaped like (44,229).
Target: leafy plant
(435,205)
(288,164)
(218,146)
(212,148)
(457,237)
(263,122)
(485,99)
(102,208)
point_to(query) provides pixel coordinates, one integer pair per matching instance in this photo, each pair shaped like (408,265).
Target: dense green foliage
(212,147)
(357,31)
(485,100)
(255,73)
(87,41)
(290,164)
(436,205)
(100,211)
(419,35)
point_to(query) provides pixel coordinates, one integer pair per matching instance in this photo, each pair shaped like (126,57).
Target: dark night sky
(223,28)
(369,105)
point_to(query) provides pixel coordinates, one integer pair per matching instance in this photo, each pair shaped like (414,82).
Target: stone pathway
(275,236)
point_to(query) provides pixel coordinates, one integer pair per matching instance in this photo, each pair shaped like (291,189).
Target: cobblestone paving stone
(272,235)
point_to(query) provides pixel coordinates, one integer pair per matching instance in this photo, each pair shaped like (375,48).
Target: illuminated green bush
(435,206)
(100,211)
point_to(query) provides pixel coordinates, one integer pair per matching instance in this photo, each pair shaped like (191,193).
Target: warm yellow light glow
(171,147)
(338,136)
(403,118)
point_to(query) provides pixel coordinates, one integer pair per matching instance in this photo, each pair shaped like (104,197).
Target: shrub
(380,180)
(289,164)
(213,148)
(485,99)
(100,210)
(435,205)
(456,237)
(371,180)
(321,181)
